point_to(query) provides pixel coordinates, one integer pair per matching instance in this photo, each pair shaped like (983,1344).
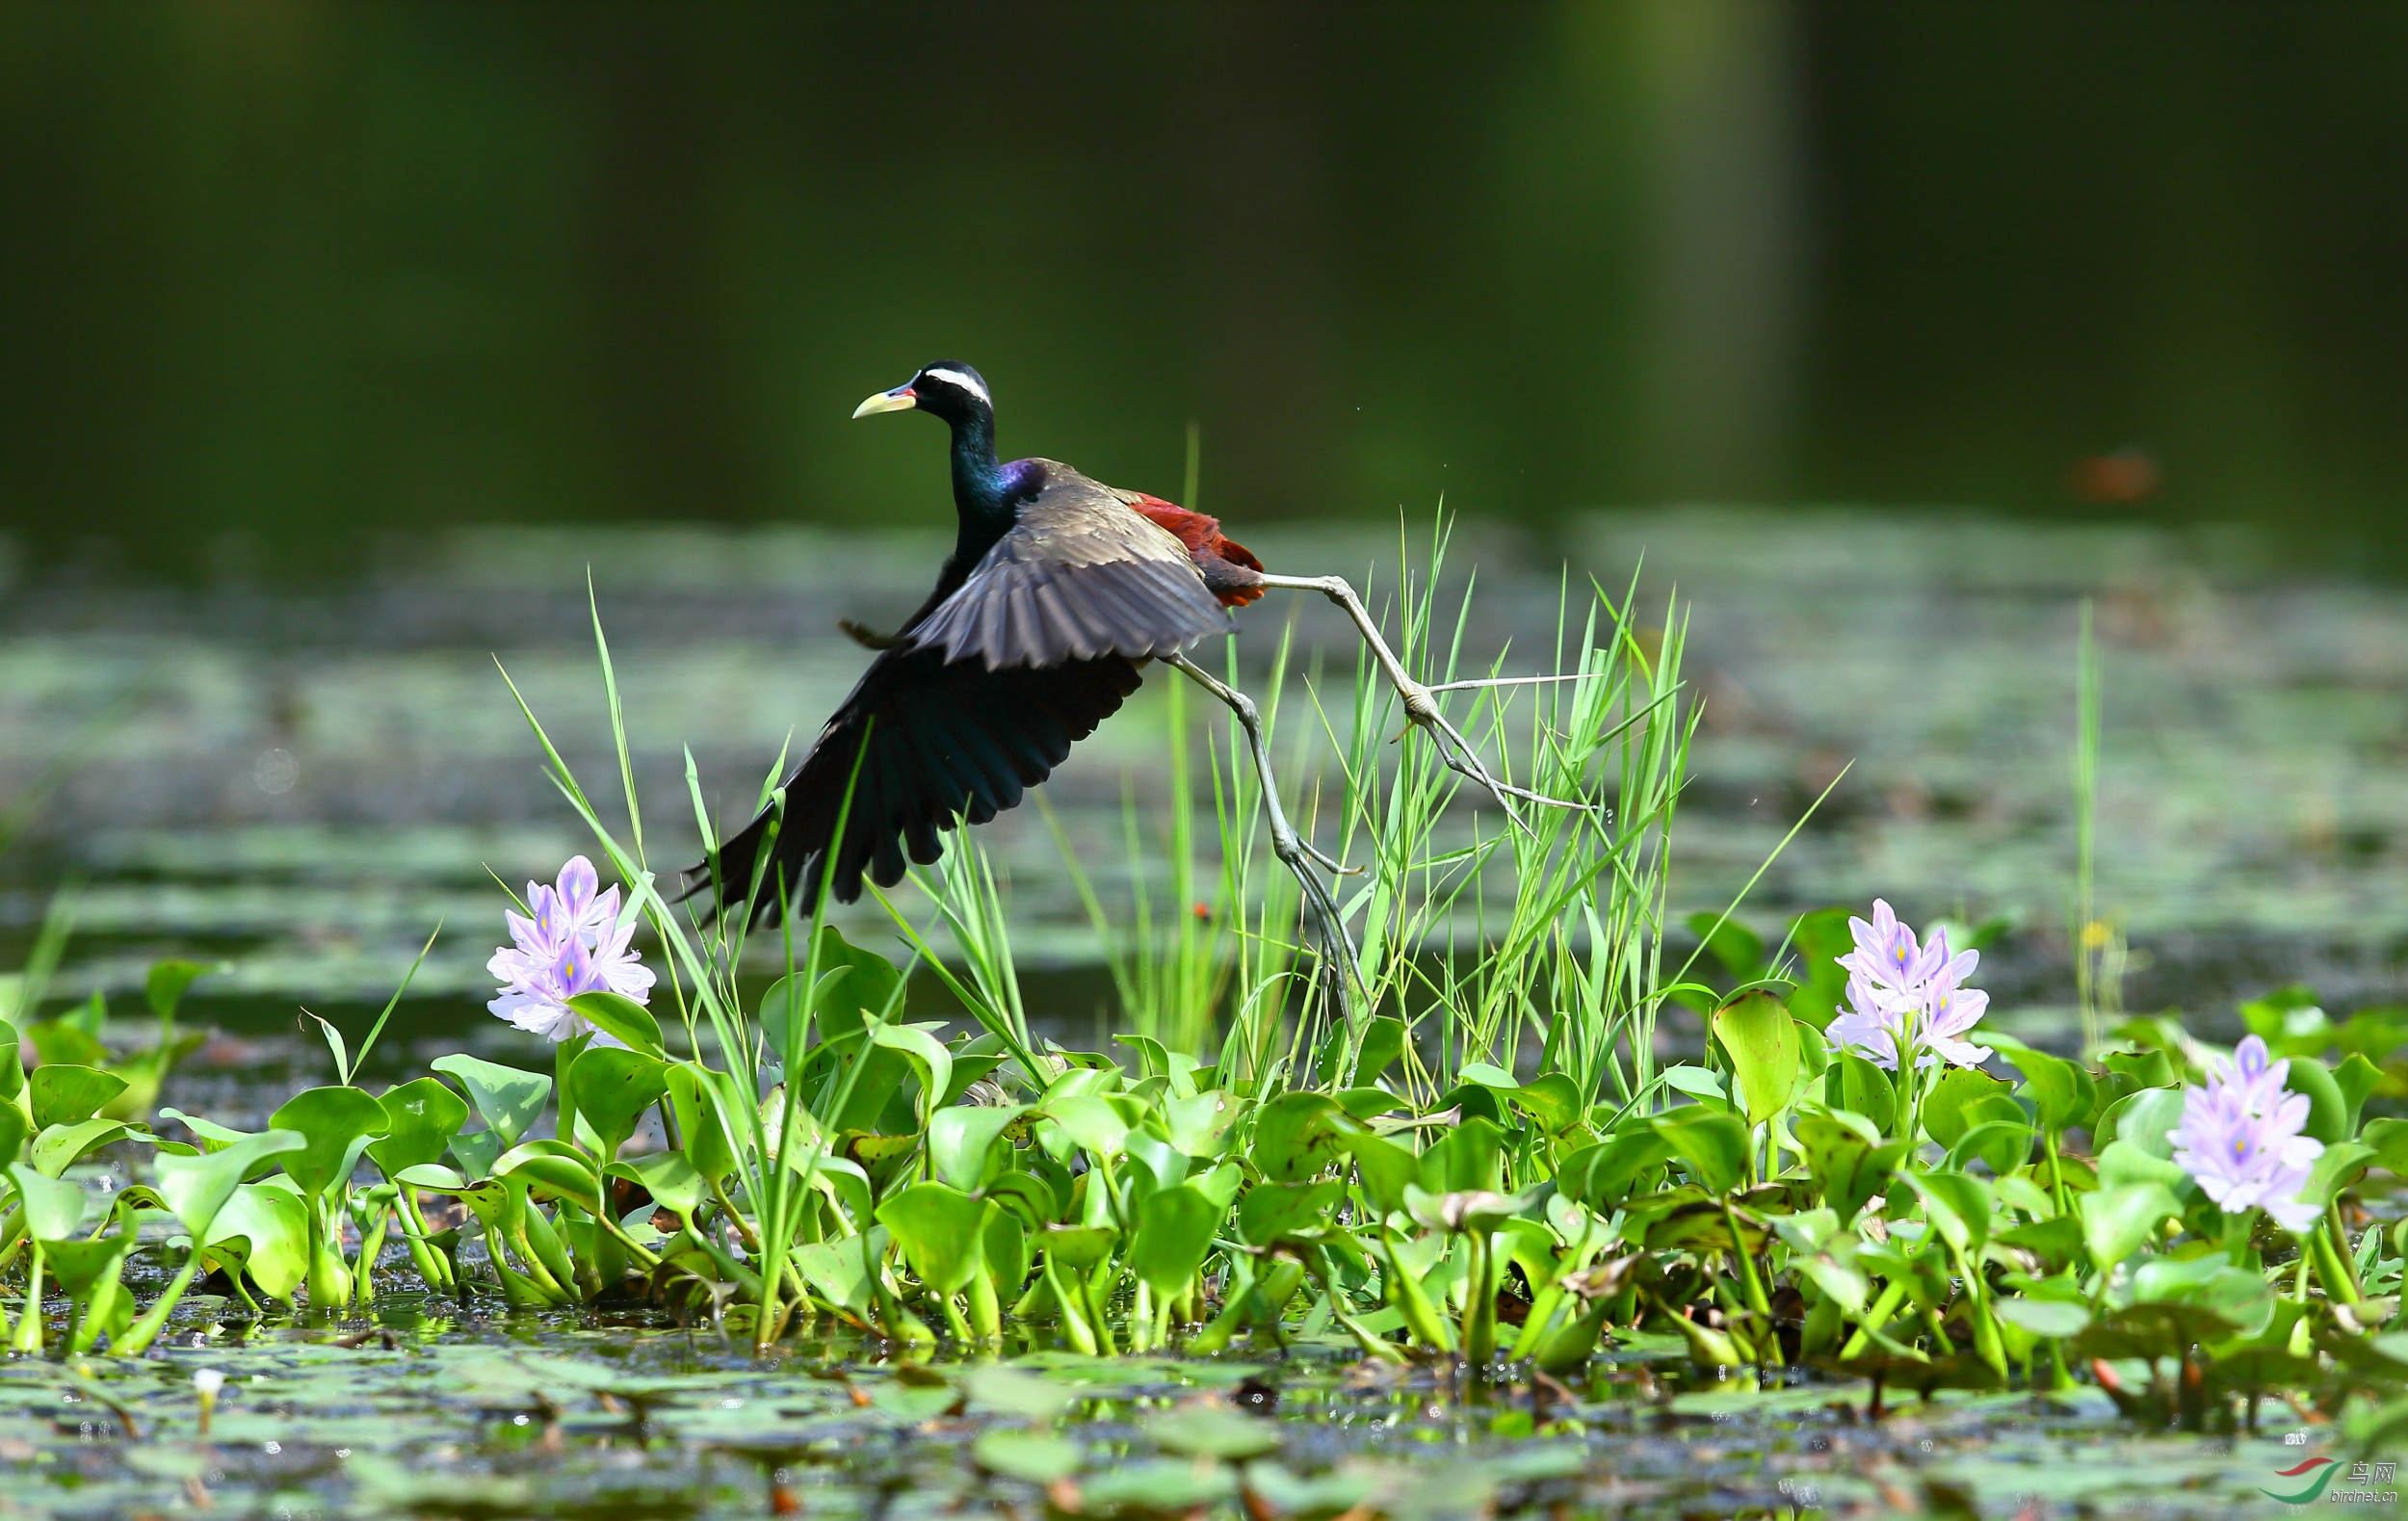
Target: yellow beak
(898,399)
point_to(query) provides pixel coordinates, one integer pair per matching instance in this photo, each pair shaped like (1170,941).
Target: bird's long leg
(1421,703)
(1336,946)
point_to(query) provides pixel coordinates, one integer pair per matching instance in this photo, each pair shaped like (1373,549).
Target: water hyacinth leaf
(1207,1430)
(927,1055)
(1297,1136)
(1159,1485)
(14,1128)
(612,1087)
(1601,1176)
(699,1127)
(213,1136)
(2122,1162)
(2047,1310)
(1550,1100)
(65,1094)
(838,1271)
(272,1224)
(553,1170)
(2063,1093)
(1173,1236)
(1385,1167)
(2115,1221)
(53,1209)
(937,1226)
(1004,1247)
(2328,1111)
(1855,1084)
(165,985)
(963,1143)
(2237,1294)
(1077,1245)
(12,1058)
(1034,1457)
(1469,1158)
(336,1125)
(1955,1103)
(1958,1207)
(1712,1143)
(1383,1044)
(421,1116)
(2145,1121)
(1271,1212)
(667,1177)
(1848,1167)
(2000,1145)
(507,1099)
(194,1189)
(1756,1031)
(1697,1083)
(1088,1121)
(622,1019)
(58,1148)
(2356,1078)
(2338,1169)
(81,1267)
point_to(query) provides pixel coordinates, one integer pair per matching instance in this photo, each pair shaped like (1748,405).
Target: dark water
(293,283)
(429,1410)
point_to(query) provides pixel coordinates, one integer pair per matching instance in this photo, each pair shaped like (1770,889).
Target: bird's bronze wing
(1080,575)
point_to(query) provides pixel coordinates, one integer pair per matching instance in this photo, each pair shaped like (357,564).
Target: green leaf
(2063,1093)
(194,1189)
(274,1225)
(507,1099)
(2356,1079)
(1958,1207)
(963,1143)
(58,1148)
(53,1209)
(1384,1039)
(67,1094)
(1712,1144)
(552,1170)
(2117,1222)
(1034,1457)
(622,1019)
(2048,1319)
(164,989)
(1174,1234)
(1091,1122)
(668,1177)
(937,1226)
(2328,1111)
(337,1123)
(1856,1085)
(699,1127)
(1385,1167)
(1963,1098)
(927,1055)
(1601,1176)
(610,1088)
(1470,1157)
(421,1116)
(1756,1031)
(1271,1212)
(1849,1168)
(1298,1135)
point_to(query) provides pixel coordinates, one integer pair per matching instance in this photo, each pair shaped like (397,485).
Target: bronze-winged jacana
(1058,589)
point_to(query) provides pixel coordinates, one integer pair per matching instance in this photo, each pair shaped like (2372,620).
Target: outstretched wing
(935,741)
(1083,574)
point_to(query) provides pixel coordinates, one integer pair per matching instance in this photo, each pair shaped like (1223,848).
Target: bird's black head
(952,391)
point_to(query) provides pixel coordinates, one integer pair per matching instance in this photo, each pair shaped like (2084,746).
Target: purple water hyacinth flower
(2239,1138)
(1902,992)
(569,942)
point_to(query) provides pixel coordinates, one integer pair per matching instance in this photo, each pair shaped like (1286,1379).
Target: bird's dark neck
(984,490)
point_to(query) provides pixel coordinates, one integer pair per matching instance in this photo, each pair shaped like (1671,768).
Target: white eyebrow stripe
(967,382)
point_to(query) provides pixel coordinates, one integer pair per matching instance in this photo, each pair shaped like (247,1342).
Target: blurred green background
(290,282)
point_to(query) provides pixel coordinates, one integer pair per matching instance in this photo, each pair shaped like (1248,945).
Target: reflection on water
(312,778)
